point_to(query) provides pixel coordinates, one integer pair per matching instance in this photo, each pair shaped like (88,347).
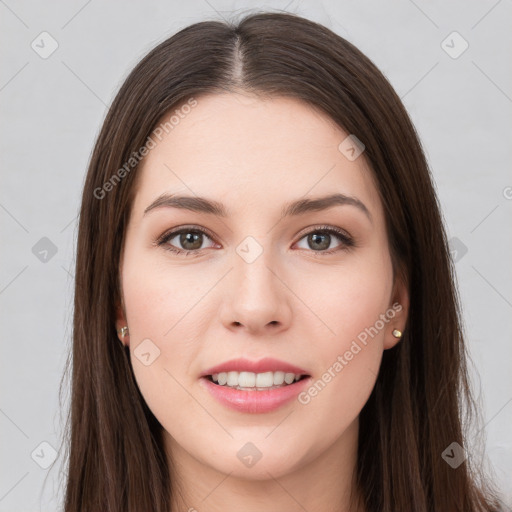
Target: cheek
(157,296)
(346,299)
(353,310)
(162,345)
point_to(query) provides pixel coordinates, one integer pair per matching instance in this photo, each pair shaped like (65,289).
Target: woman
(265,312)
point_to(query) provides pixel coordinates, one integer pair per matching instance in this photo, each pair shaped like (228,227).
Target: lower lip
(255,401)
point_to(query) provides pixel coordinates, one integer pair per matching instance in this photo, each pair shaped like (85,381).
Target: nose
(256,297)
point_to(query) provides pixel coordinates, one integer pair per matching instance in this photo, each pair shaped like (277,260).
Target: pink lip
(255,401)
(263,365)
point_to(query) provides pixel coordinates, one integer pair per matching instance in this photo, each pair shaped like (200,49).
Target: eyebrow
(299,207)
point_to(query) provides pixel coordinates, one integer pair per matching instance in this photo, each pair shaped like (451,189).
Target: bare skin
(294,302)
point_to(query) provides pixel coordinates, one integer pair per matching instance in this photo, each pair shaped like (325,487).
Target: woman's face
(257,285)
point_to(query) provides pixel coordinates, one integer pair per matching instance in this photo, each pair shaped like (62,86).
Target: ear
(398,312)
(120,323)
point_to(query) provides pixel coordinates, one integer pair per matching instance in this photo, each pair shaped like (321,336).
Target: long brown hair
(115,447)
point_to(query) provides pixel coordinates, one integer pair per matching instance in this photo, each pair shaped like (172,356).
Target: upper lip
(267,364)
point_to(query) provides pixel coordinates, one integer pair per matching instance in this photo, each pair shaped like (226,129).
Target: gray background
(52,109)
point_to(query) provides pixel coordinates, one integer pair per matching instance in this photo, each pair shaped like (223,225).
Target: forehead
(246,151)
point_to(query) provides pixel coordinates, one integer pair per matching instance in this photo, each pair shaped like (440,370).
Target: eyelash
(346,241)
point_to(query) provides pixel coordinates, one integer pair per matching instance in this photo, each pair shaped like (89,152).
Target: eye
(321,237)
(190,239)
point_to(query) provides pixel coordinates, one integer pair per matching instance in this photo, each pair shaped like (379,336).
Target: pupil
(190,238)
(314,237)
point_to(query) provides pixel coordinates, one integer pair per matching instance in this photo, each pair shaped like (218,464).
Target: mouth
(251,381)
(254,387)
(250,386)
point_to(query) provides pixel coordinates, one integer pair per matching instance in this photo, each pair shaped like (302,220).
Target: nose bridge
(257,296)
(252,262)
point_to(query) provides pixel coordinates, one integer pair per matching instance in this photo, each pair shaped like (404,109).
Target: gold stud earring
(123,331)
(396,333)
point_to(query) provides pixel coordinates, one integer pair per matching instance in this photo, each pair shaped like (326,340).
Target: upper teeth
(251,380)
